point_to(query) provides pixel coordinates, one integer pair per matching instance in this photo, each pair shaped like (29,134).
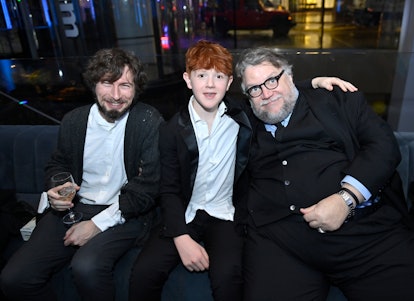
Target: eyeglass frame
(277,78)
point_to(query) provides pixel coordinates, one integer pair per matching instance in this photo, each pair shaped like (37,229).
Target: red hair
(208,55)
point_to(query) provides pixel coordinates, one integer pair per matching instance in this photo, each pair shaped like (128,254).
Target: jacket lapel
(188,136)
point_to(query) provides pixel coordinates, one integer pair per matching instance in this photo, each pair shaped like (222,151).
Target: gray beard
(287,108)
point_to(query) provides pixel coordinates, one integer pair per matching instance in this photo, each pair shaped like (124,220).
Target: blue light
(92,10)
(138,13)
(23,102)
(46,12)
(6,77)
(6,14)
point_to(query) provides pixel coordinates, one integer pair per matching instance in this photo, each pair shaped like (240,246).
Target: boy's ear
(187,80)
(229,83)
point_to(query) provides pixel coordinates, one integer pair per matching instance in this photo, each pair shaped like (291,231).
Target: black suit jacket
(179,163)
(366,139)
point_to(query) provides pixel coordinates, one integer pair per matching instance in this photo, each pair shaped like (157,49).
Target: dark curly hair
(108,65)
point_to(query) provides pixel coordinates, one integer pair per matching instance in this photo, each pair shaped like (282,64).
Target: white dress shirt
(213,186)
(103,167)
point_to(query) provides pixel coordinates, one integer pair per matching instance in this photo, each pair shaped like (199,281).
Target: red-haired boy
(199,167)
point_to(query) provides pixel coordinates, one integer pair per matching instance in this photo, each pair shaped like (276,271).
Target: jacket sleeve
(307,84)
(68,155)
(174,178)
(378,154)
(367,139)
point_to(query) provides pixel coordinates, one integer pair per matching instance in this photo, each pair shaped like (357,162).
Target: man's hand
(328,214)
(328,83)
(58,202)
(80,233)
(192,254)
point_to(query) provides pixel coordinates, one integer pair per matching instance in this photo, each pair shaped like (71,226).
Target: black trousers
(369,259)
(160,256)
(27,274)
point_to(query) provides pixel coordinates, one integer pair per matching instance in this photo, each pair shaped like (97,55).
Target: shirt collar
(272,128)
(221,110)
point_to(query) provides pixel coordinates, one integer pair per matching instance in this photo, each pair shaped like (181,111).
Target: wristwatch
(349,202)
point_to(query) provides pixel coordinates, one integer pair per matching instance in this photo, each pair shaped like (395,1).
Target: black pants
(160,256)
(369,259)
(27,274)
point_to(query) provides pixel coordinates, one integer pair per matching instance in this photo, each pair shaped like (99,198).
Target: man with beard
(325,203)
(111,149)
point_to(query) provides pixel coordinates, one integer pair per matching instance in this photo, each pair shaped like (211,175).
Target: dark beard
(112,115)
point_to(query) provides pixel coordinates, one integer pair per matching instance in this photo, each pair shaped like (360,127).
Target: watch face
(349,202)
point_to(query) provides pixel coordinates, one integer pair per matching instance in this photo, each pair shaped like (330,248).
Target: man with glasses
(324,203)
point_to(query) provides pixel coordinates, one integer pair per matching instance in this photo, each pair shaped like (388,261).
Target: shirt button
(292,207)
(287,182)
(284,162)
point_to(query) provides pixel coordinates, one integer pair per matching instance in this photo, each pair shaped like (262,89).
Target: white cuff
(109,217)
(43,203)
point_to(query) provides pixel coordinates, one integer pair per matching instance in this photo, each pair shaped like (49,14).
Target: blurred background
(44,45)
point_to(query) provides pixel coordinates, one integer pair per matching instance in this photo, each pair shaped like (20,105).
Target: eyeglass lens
(270,83)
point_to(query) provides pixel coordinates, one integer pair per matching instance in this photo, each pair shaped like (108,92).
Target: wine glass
(68,192)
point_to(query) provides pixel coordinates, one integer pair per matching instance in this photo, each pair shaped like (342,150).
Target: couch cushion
(406,166)
(25,151)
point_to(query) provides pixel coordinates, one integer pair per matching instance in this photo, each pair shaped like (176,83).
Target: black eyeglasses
(270,83)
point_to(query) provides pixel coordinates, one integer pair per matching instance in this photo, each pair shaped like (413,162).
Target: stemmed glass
(68,192)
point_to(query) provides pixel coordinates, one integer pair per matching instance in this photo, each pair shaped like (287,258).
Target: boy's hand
(192,254)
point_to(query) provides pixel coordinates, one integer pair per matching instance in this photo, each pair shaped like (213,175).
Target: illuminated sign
(68,19)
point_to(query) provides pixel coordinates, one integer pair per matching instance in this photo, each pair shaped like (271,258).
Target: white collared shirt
(103,167)
(213,186)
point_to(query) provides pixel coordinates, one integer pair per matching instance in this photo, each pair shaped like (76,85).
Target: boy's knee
(226,273)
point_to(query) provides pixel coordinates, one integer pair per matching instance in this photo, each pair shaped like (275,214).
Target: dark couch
(24,151)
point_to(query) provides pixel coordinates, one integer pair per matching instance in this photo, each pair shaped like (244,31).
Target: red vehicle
(248,14)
